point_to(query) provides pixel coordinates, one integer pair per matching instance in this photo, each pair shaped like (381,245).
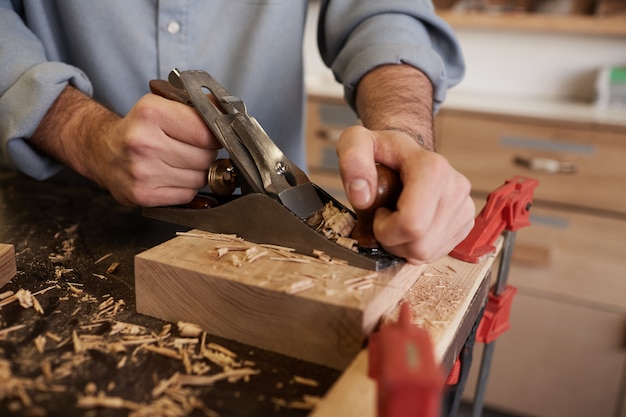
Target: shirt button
(173,27)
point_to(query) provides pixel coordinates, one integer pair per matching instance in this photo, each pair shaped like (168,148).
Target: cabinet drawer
(486,150)
(556,360)
(571,257)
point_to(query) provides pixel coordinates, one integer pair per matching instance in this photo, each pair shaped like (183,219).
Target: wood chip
(305,381)
(103,258)
(113,267)
(298,286)
(221,349)
(106,402)
(167,352)
(187,329)
(231,376)
(40,343)
(6,294)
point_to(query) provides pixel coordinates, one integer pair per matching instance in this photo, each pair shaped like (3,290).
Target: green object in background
(618,75)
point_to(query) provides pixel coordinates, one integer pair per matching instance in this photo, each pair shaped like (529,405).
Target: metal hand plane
(276,202)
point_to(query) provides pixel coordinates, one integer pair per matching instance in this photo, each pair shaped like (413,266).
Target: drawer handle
(549,165)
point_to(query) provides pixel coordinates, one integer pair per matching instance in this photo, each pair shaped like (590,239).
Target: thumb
(355,150)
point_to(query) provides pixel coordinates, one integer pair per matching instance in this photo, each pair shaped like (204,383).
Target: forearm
(70,128)
(397,97)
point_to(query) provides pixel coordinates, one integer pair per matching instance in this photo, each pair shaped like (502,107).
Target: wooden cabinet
(565,354)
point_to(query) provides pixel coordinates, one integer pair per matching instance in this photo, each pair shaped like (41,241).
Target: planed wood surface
(315,311)
(8,267)
(441,302)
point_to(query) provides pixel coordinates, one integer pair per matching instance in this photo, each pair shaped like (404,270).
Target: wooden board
(444,302)
(259,303)
(8,268)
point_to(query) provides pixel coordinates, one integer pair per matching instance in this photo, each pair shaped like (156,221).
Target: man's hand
(434,211)
(158,154)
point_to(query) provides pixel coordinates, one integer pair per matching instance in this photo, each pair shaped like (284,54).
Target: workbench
(74,247)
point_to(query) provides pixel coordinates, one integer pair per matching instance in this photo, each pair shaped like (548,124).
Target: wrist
(71,129)
(397,97)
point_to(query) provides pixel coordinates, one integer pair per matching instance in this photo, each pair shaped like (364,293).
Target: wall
(515,63)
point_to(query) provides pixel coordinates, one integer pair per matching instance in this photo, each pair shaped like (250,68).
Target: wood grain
(327,323)
(440,301)
(8,267)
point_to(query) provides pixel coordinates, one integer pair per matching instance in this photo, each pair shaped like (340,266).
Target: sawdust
(175,397)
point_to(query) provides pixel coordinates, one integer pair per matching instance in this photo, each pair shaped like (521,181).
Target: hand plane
(258,193)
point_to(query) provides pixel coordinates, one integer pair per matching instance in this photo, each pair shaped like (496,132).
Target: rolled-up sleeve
(355,36)
(29,85)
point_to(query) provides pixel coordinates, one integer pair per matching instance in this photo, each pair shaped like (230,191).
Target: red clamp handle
(507,208)
(495,320)
(402,361)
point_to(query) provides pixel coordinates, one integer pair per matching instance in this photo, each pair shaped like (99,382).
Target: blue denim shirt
(111,49)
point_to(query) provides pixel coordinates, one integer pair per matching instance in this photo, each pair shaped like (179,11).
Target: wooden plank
(441,301)
(315,311)
(8,267)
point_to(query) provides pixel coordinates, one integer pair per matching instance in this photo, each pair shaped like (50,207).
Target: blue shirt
(111,49)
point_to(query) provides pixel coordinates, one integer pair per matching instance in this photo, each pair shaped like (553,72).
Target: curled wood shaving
(348,242)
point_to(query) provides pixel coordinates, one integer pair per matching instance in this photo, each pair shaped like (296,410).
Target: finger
(176,120)
(355,150)
(184,156)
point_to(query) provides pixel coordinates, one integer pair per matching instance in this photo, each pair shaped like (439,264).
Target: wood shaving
(187,329)
(103,401)
(298,286)
(169,353)
(40,343)
(294,260)
(304,381)
(6,294)
(60,270)
(221,349)
(113,267)
(277,248)
(230,375)
(103,258)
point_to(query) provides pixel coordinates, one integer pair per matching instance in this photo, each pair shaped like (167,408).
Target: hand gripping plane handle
(387,192)
(507,208)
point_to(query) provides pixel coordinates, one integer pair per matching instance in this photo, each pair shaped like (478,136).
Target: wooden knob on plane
(387,193)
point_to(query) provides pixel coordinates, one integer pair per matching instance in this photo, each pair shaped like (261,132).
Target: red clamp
(402,361)
(507,208)
(495,320)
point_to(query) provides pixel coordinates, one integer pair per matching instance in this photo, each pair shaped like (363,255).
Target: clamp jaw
(507,208)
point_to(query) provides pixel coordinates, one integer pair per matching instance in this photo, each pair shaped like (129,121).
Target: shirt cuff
(23,106)
(401,39)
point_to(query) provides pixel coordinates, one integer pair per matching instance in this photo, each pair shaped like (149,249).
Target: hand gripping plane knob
(387,192)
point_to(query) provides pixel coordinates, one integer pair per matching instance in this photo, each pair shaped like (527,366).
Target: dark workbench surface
(60,230)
